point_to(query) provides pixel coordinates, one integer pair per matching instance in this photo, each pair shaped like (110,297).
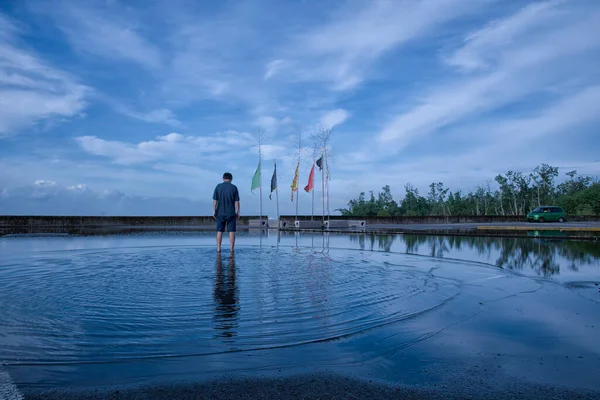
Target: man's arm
(237,203)
(215,199)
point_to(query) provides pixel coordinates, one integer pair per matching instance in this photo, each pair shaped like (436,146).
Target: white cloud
(271,151)
(7,27)
(489,152)
(522,66)
(43,198)
(44,183)
(541,130)
(163,116)
(156,178)
(30,90)
(107,31)
(335,117)
(342,50)
(182,169)
(271,124)
(171,146)
(79,188)
(569,113)
(487,45)
(267,122)
(524,77)
(273,68)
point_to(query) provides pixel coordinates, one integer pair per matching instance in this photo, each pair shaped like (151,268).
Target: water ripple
(116,305)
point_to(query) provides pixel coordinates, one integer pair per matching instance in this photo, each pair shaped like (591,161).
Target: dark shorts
(223,221)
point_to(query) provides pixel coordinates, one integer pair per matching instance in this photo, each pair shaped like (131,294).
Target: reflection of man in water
(226,299)
(226,209)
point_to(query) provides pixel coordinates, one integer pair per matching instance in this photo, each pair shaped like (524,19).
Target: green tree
(516,193)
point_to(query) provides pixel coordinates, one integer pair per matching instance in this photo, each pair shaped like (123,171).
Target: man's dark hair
(227,176)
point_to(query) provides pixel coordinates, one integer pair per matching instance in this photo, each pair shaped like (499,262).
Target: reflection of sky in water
(85,301)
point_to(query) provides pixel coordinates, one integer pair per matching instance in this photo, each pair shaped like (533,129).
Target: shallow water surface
(125,309)
(108,305)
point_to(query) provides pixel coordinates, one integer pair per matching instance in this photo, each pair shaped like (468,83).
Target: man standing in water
(226,209)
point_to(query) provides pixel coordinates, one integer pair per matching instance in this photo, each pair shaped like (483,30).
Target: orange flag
(311,180)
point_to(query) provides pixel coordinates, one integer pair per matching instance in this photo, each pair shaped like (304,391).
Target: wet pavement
(416,315)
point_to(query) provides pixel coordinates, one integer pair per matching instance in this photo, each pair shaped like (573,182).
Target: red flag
(311,180)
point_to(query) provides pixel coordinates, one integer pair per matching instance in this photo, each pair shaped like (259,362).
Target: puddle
(133,309)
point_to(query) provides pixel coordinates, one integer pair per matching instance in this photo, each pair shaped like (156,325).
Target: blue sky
(138,107)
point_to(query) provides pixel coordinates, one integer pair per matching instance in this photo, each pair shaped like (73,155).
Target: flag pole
(297,195)
(312,215)
(327,189)
(327,182)
(277,191)
(259,185)
(298,184)
(323,190)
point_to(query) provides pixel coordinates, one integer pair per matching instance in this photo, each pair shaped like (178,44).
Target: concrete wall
(190,221)
(25,224)
(439,219)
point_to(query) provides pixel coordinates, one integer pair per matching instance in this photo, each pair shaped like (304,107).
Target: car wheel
(561,220)
(541,219)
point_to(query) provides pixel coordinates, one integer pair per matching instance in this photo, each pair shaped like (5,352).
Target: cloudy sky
(139,106)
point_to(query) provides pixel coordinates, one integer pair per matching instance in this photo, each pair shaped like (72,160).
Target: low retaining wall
(459,219)
(80,224)
(91,221)
(100,221)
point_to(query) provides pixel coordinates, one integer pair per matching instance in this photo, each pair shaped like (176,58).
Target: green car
(547,214)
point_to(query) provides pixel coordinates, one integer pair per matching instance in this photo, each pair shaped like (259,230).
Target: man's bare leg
(231,241)
(219,240)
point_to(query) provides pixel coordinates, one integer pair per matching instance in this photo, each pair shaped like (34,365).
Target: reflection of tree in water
(383,242)
(225,295)
(517,254)
(514,253)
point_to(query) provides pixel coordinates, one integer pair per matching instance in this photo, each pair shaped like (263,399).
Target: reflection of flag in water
(311,180)
(256,179)
(273,180)
(295,181)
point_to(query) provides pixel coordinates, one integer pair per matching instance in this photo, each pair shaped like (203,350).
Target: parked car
(547,214)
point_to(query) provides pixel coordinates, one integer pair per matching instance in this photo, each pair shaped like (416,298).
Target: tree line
(514,193)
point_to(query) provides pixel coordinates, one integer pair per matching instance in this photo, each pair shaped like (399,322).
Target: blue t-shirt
(226,194)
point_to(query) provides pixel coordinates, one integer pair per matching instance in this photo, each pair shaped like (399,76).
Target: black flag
(273,180)
(320,163)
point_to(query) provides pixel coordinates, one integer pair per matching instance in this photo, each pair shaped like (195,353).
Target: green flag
(256,179)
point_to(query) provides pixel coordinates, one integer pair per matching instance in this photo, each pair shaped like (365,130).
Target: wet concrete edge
(320,386)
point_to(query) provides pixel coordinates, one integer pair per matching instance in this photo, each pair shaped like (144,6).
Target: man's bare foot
(218,250)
